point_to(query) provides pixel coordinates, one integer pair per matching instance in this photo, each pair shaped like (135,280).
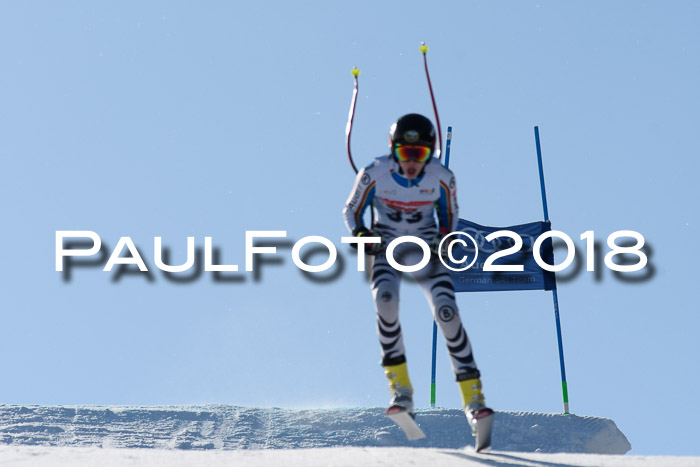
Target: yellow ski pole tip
(355,72)
(423,48)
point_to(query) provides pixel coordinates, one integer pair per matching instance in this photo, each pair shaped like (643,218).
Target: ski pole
(348,131)
(351,117)
(424,51)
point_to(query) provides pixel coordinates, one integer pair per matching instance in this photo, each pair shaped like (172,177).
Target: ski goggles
(407,153)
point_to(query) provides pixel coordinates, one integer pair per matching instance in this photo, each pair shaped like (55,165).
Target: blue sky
(174,120)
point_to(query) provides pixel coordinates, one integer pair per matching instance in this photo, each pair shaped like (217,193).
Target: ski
(405,421)
(480,422)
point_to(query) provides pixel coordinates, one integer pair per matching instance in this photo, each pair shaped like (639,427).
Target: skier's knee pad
(386,296)
(446,311)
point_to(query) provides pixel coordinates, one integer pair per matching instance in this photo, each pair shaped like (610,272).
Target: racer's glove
(370,248)
(435,245)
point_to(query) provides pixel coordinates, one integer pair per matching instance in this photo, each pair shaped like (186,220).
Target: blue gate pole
(564,388)
(435,329)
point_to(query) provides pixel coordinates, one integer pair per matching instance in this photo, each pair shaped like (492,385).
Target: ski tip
(423,48)
(482,422)
(355,72)
(483,413)
(393,410)
(405,421)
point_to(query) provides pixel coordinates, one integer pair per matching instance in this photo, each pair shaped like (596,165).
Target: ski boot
(400,386)
(401,406)
(479,417)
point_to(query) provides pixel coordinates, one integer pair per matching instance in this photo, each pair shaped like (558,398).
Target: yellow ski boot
(479,416)
(472,398)
(401,406)
(400,387)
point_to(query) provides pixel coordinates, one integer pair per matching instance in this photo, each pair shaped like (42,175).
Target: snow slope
(40,456)
(218,435)
(230,427)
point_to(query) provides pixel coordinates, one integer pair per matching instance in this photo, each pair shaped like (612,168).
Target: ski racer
(412,194)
